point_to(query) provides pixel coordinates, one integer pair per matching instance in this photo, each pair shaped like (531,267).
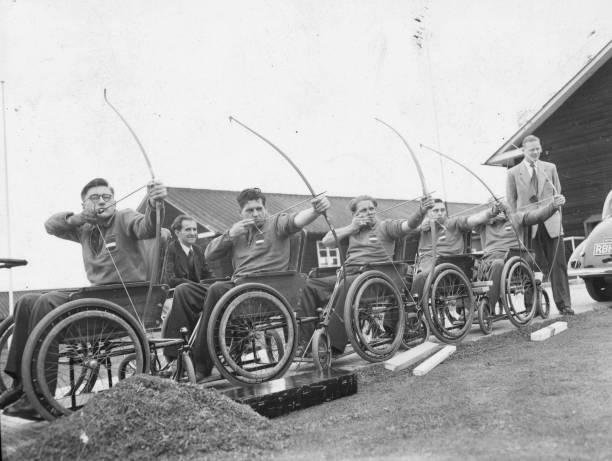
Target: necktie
(533,184)
(95,241)
(191,265)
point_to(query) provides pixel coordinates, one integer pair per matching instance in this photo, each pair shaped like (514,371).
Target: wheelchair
(521,293)
(102,335)
(253,331)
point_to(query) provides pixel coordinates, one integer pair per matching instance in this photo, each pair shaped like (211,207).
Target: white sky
(308,75)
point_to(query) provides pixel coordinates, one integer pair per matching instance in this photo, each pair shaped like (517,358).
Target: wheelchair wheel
(78,350)
(251,334)
(543,304)
(416,330)
(485,319)
(518,291)
(448,303)
(321,350)
(6,335)
(374,316)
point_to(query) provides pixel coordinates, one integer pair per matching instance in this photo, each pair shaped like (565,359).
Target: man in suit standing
(185,267)
(529,184)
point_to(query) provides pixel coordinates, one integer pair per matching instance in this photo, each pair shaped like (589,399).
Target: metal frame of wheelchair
(522,296)
(253,331)
(87,345)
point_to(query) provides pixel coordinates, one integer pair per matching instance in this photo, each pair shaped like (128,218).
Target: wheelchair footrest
(284,395)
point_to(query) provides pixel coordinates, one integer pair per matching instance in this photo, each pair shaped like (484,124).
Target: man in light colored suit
(530,184)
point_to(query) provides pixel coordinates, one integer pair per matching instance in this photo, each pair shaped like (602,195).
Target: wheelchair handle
(7,263)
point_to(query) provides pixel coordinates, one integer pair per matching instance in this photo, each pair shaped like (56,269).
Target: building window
(327,257)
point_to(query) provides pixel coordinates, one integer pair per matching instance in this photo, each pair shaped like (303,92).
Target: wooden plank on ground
(411,356)
(434,360)
(546,332)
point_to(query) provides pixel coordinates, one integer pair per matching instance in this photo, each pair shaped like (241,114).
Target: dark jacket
(177,269)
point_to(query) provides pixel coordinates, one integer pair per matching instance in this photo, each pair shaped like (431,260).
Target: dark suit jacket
(177,270)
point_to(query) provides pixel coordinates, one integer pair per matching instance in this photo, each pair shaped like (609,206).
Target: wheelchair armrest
(320,272)
(109,287)
(212,280)
(262,274)
(7,263)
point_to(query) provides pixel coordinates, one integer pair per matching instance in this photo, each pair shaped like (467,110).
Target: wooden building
(575,127)
(216,210)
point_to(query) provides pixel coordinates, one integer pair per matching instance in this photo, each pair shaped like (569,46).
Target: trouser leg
(187,305)
(494,274)
(545,248)
(201,355)
(21,315)
(315,294)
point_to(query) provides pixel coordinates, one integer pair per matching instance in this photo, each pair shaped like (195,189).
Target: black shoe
(10,396)
(22,409)
(566,311)
(202,376)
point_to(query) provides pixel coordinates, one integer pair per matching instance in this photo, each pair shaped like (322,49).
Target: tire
(374,316)
(321,350)
(6,334)
(448,303)
(544,304)
(128,367)
(599,289)
(485,320)
(416,330)
(240,329)
(518,291)
(78,350)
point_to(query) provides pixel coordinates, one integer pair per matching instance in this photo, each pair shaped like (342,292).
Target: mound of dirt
(146,417)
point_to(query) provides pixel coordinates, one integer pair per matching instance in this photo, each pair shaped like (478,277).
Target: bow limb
(299,172)
(421,177)
(156,247)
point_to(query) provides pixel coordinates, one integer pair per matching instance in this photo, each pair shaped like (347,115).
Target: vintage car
(592,259)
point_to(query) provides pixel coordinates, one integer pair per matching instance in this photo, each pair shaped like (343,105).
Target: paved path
(16,431)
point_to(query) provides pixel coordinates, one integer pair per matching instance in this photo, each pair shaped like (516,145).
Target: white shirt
(186,249)
(527,164)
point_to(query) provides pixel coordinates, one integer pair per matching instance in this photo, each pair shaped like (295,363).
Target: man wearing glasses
(111,254)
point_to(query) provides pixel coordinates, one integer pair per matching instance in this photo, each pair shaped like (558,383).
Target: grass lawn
(502,397)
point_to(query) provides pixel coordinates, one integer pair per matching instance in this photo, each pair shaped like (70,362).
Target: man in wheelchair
(450,240)
(111,254)
(258,243)
(370,241)
(499,235)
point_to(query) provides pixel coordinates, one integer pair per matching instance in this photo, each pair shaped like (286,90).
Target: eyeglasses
(96,197)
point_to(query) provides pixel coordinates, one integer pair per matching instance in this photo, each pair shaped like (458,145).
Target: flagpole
(6,194)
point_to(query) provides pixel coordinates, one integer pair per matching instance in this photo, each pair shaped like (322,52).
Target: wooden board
(434,360)
(411,356)
(549,331)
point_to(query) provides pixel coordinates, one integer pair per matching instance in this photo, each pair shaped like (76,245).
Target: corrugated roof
(508,150)
(217,210)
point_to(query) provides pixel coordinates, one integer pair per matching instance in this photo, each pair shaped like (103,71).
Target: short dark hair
(96,182)
(360,198)
(253,193)
(439,200)
(177,224)
(529,138)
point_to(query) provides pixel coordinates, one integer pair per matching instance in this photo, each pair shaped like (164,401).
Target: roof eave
(500,157)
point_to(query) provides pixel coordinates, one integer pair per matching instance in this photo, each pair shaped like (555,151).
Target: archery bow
(156,247)
(310,188)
